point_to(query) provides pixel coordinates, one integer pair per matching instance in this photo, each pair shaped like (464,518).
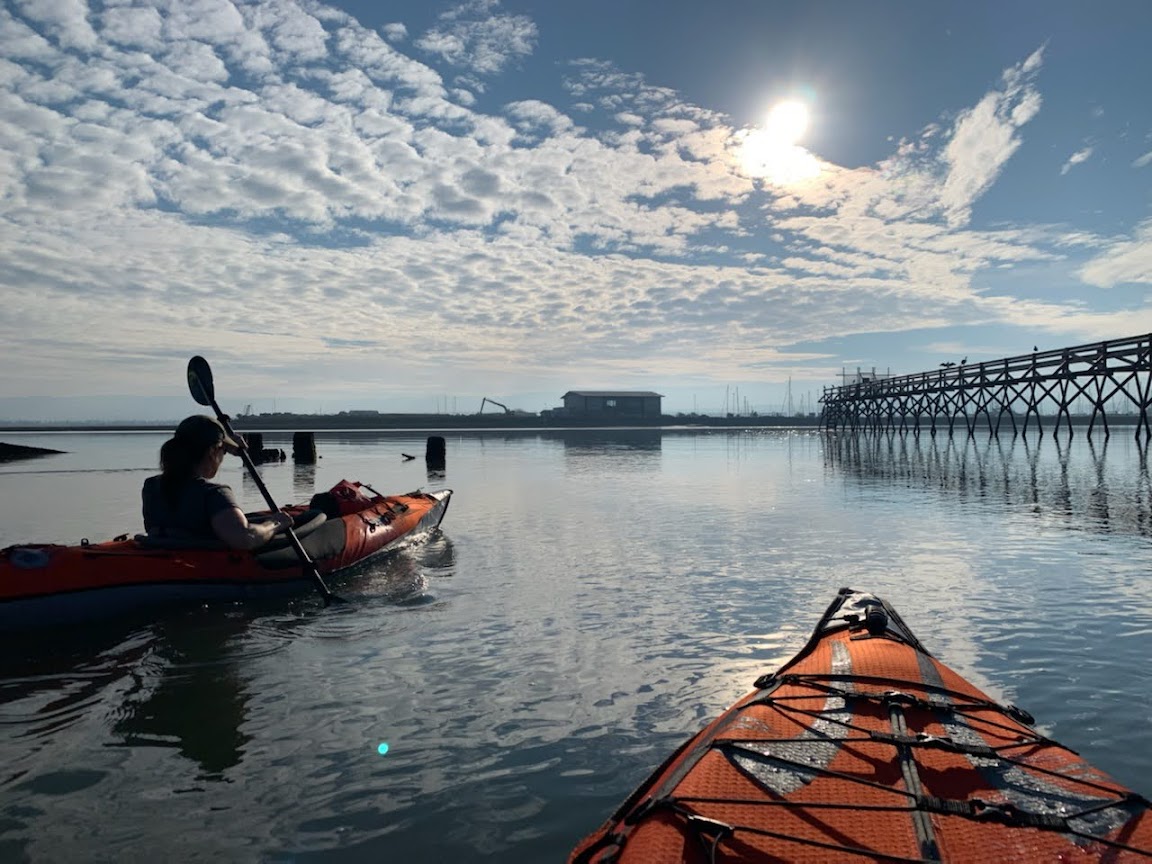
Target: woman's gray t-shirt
(189,516)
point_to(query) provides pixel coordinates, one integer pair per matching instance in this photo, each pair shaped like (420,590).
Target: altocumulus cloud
(274,179)
(480,37)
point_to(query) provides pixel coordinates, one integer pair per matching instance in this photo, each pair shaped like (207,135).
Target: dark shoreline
(428,422)
(14,452)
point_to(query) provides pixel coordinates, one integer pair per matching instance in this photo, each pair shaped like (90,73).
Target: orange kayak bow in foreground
(864,747)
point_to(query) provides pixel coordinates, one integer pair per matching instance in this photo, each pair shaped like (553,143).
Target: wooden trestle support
(1117,372)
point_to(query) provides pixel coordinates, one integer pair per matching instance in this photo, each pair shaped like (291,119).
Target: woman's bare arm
(233,527)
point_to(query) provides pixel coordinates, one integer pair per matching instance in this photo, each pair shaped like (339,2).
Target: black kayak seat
(303,525)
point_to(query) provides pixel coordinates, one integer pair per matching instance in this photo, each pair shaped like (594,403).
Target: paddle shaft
(307,562)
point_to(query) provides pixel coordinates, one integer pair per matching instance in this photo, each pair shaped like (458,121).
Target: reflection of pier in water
(1090,485)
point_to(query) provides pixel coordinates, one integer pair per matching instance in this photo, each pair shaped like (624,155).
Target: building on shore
(610,404)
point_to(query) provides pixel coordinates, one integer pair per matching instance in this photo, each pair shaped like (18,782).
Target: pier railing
(1113,375)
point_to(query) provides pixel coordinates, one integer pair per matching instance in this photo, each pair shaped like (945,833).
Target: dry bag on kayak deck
(344,498)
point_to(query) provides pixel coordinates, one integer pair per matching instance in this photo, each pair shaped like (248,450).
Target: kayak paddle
(204,392)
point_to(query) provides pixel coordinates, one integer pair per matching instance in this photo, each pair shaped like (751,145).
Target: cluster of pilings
(303,448)
(1115,374)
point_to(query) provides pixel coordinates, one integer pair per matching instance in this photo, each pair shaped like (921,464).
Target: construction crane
(486,400)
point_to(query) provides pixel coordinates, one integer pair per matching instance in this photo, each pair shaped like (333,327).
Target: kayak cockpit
(303,524)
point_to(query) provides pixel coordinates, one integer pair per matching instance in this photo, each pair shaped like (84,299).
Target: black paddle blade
(200,380)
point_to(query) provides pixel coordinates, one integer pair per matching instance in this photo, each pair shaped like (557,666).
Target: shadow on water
(1084,482)
(195,703)
(170,683)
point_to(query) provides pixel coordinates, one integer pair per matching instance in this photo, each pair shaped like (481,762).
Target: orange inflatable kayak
(51,584)
(864,747)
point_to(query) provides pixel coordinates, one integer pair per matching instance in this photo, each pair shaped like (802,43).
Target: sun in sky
(772,152)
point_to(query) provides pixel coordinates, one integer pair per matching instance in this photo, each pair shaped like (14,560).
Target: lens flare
(382,748)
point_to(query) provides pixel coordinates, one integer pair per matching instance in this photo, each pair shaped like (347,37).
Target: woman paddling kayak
(181,502)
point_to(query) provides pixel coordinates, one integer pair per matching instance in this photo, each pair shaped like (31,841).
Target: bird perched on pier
(1034,348)
(965,360)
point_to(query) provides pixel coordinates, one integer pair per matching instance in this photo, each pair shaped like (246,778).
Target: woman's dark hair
(179,458)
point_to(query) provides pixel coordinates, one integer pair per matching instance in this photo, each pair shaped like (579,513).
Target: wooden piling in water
(304,447)
(435,453)
(255,442)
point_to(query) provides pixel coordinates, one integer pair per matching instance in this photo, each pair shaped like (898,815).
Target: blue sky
(410,206)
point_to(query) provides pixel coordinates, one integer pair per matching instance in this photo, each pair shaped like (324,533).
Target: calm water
(592,599)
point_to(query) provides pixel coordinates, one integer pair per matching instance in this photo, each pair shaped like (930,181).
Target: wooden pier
(1114,375)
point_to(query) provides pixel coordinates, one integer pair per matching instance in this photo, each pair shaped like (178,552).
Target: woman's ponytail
(177,466)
